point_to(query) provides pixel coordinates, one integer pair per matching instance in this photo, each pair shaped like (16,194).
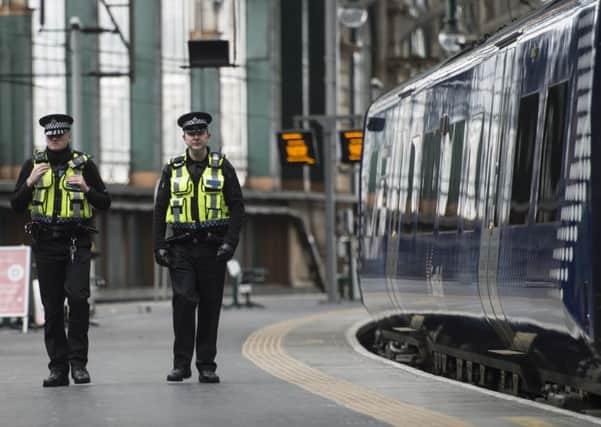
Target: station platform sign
(14,282)
(351,142)
(297,146)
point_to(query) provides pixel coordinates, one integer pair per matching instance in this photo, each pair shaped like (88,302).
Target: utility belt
(194,237)
(39,230)
(68,232)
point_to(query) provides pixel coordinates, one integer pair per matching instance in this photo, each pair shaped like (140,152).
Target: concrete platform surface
(290,364)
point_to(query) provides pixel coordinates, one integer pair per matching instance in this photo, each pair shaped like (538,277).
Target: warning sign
(351,142)
(14,281)
(296,147)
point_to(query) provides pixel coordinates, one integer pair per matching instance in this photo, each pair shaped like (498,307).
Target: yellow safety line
(528,421)
(264,348)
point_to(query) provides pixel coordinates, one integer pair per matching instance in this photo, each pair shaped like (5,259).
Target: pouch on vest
(181,185)
(213,206)
(177,205)
(41,188)
(212,184)
(75,199)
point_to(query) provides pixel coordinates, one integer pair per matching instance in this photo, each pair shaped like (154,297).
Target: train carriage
(478,201)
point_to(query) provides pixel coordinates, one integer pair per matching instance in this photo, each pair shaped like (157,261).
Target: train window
(471,172)
(451,178)
(382,188)
(376,124)
(407,220)
(551,154)
(429,183)
(395,170)
(523,159)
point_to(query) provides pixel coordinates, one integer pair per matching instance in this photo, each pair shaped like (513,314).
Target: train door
(495,133)
(375,186)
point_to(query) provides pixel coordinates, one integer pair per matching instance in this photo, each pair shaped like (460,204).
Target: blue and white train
(480,209)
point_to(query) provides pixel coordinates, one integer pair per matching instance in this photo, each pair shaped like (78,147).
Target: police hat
(56,124)
(194,121)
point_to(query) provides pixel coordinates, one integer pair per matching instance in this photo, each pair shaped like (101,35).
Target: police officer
(61,187)
(199,196)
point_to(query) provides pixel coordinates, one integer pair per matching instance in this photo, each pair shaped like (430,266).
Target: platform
(294,363)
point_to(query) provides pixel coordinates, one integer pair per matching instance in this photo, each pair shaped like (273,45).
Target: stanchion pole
(331,50)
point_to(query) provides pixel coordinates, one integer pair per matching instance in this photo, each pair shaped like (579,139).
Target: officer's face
(58,142)
(197,140)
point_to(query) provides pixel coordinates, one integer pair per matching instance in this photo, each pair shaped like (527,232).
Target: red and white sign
(14,281)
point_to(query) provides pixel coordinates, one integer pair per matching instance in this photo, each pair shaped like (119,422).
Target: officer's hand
(161,256)
(78,181)
(37,172)
(225,252)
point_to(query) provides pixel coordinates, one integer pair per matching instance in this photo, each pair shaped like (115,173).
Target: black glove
(161,256)
(225,252)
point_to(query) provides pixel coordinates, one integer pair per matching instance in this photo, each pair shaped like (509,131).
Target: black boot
(207,376)
(57,378)
(179,374)
(80,375)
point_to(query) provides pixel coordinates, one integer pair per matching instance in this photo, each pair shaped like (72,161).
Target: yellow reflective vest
(52,199)
(212,209)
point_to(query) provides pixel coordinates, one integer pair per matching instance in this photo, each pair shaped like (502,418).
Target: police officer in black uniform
(199,196)
(61,187)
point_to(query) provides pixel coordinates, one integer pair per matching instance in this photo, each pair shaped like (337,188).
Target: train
(480,211)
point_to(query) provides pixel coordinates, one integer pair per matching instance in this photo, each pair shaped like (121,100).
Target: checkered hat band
(57,125)
(51,132)
(194,122)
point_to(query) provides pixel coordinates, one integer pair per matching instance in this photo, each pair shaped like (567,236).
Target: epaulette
(216,159)
(177,162)
(40,156)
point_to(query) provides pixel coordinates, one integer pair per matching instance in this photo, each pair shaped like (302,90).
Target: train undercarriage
(539,365)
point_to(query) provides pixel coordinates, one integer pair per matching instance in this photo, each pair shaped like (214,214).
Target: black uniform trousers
(197,279)
(61,278)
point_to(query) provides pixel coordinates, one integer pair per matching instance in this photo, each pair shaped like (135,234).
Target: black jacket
(232,194)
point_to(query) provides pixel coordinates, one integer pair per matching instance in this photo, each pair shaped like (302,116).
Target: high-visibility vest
(212,209)
(73,205)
